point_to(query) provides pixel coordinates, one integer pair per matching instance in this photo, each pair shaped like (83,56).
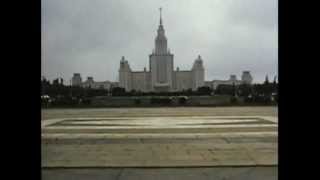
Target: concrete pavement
(160,143)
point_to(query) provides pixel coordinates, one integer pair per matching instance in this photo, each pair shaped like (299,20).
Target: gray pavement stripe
(166,126)
(159,135)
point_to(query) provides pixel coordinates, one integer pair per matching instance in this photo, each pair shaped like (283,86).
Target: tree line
(56,93)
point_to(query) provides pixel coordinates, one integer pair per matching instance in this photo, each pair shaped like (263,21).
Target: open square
(181,137)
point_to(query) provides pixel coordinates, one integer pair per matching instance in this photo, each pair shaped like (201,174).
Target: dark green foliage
(244,90)
(266,81)
(188,92)
(95,92)
(204,90)
(58,94)
(137,101)
(234,89)
(182,100)
(118,91)
(265,93)
(160,101)
(225,89)
(233,99)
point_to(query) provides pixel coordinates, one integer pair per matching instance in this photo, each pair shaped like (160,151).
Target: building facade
(76,79)
(90,83)
(161,76)
(246,78)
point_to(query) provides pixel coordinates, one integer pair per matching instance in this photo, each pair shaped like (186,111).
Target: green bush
(137,101)
(233,99)
(182,100)
(162,101)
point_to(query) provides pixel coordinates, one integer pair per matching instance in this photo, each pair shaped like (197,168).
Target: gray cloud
(90,36)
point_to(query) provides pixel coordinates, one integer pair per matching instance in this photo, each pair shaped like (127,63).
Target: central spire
(161,40)
(160,15)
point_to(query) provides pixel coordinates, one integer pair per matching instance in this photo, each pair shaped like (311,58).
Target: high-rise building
(76,79)
(161,75)
(246,77)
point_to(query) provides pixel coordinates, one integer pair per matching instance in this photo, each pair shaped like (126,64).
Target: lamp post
(71,87)
(43,85)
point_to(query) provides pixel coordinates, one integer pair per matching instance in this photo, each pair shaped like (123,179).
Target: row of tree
(70,95)
(261,93)
(58,89)
(118,91)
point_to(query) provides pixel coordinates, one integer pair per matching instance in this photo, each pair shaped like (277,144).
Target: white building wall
(198,73)
(216,83)
(153,67)
(138,81)
(125,75)
(198,78)
(183,80)
(161,67)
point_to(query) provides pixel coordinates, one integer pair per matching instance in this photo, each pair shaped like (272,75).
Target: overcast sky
(90,36)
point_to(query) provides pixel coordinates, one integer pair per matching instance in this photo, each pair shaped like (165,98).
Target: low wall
(143,101)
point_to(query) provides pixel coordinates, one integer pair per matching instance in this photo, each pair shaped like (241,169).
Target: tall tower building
(198,73)
(125,74)
(161,76)
(161,62)
(76,79)
(246,77)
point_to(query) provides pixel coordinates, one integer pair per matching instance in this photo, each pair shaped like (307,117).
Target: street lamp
(71,87)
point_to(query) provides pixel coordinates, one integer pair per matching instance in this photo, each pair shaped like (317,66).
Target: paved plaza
(239,138)
(200,173)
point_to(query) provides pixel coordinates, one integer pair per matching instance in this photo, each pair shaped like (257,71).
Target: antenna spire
(160,15)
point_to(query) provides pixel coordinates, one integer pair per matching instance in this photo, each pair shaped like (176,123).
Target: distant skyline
(89,37)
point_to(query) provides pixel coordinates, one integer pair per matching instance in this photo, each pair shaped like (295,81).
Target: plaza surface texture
(241,140)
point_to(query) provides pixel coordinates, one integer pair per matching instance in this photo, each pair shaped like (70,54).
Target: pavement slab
(200,173)
(157,141)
